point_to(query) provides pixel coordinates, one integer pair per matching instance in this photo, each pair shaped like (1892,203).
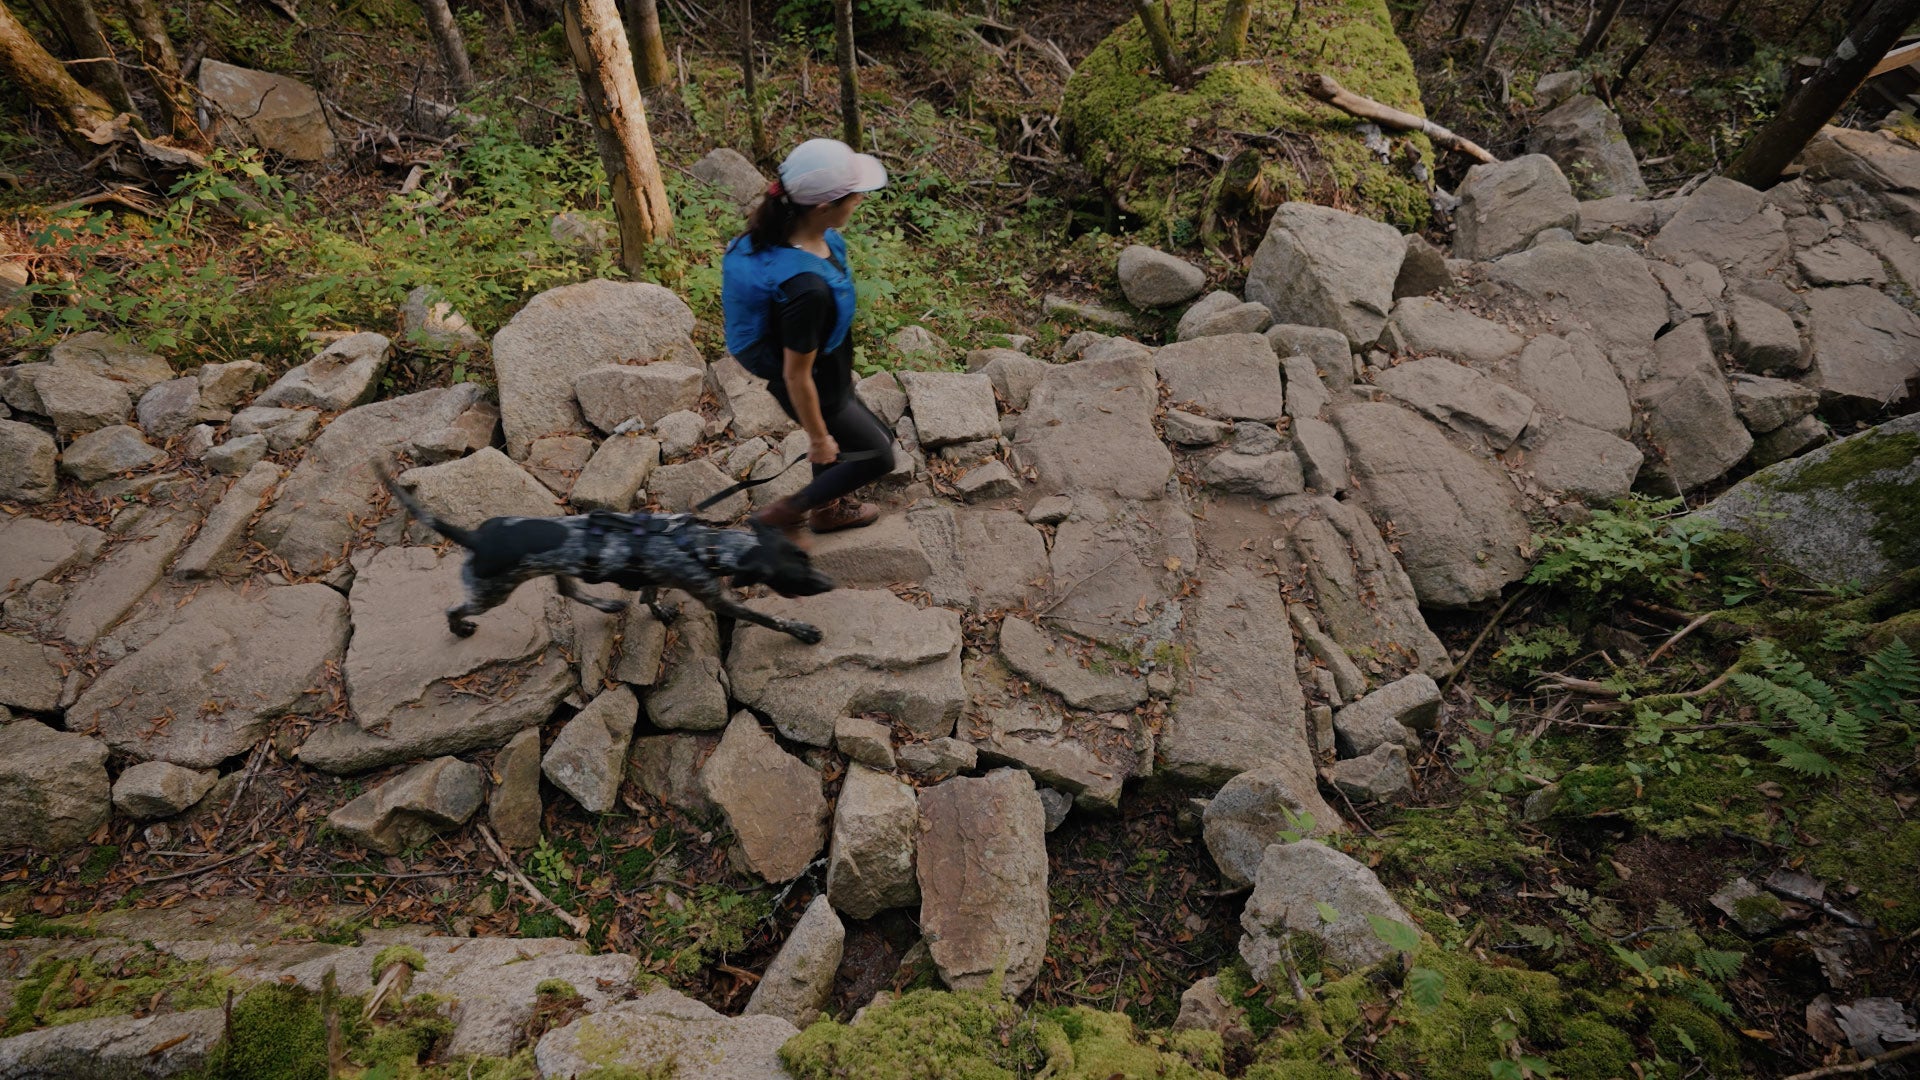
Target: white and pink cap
(821,171)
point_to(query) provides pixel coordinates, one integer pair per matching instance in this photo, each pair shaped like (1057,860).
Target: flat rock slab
(1231,376)
(880,654)
(467,491)
(665,1031)
(118,581)
(982,866)
(1053,664)
(409,809)
(1115,570)
(1460,397)
(344,374)
(1421,326)
(1602,289)
(419,691)
(227,665)
(1729,225)
(979,559)
(1089,429)
(771,799)
(1571,377)
(33,549)
(115,1047)
(950,407)
(1865,347)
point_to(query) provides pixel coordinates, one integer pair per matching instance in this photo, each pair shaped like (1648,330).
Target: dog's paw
(806,635)
(666,613)
(461,627)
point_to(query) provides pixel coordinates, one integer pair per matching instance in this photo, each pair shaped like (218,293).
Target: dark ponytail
(771,221)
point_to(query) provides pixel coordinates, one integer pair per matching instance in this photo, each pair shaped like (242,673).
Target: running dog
(639,551)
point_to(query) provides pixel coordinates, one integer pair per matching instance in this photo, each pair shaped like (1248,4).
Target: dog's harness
(602,524)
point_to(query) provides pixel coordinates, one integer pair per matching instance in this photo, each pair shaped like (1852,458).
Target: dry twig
(577,923)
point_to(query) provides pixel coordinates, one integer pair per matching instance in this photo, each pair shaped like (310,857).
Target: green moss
(1467,846)
(278,1033)
(1710,792)
(1865,840)
(1593,1049)
(1133,129)
(397,954)
(1099,1045)
(1456,1038)
(68,990)
(1856,465)
(1674,1024)
(556,988)
(100,862)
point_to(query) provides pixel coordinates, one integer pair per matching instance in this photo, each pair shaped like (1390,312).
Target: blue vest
(750,287)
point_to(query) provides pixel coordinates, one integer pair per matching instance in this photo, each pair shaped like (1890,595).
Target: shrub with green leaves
(1639,547)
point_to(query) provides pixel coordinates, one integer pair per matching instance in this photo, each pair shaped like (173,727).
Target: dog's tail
(426,517)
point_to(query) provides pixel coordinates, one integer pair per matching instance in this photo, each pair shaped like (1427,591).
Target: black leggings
(857,430)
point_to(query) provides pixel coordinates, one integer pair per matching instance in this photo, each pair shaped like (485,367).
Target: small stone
(881,393)
(1395,713)
(1268,476)
(236,456)
(1323,455)
(1321,717)
(799,982)
(1423,271)
(1249,814)
(870,864)
(1033,653)
(1788,440)
(587,759)
(408,810)
(557,460)
(679,433)
(1755,911)
(1051,510)
(30,675)
(1252,438)
(157,789)
(582,233)
(344,374)
(284,428)
(868,742)
(196,442)
(1378,776)
(937,757)
(1152,279)
(949,407)
(730,171)
(428,321)
(1221,313)
(1189,429)
(679,487)
(1056,805)
(1295,885)
(513,807)
(27,457)
(615,475)
(109,451)
(1768,404)
(223,386)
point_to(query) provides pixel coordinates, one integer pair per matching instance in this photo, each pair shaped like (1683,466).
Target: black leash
(748,485)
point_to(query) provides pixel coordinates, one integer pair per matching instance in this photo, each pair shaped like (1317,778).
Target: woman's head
(820,184)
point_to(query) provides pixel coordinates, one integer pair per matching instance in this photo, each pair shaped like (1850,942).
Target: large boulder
(1503,206)
(1866,348)
(1295,882)
(344,374)
(1231,376)
(1842,513)
(226,666)
(799,982)
(1454,517)
(269,111)
(1460,397)
(771,800)
(1322,267)
(1603,289)
(1089,429)
(880,654)
(613,394)
(1585,138)
(1249,814)
(870,862)
(982,866)
(663,1033)
(419,691)
(732,172)
(1728,224)
(53,787)
(409,809)
(1690,415)
(563,333)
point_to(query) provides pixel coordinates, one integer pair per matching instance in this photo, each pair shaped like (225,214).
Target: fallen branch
(1326,89)
(204,867)
(577,923)
(1482,637)
(1865,1065)
(1696,624)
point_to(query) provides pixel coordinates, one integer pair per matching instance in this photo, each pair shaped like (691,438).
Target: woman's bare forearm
(804,394)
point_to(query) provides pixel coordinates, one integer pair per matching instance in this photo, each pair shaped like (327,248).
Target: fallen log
(1326,89)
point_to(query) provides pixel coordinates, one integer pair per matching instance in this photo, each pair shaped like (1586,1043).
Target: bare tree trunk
(1597,33)
(76,110)
(1165,56)
(750,68)
(1493,33)
(99,69)
(1234,22)
(849,73)
(1770,151)
(648,45)
(599,45)
(1640,53)
(1459,27)
(163,67)
(451,46)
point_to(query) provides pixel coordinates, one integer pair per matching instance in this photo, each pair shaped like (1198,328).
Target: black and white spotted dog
(639,551)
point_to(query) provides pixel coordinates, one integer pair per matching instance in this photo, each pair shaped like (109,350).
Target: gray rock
(1327,268)
(1308,392)
(949,407)
(1728,224)
(124,362)
(1234,377)
(1584,137)
(565,332)
(30,674)
(691,692)
(1051,510)
(730,171)
(406,811)
(1423,270)
(1555,87)
(1789,440)
(466,491)
(612,394)
(1395,713)
(1614,215)
(667,767)
(115,1047)
(587,759)
(557,460)
(1348,682)
(798,985)
(1376,776)
(1502,206)
(1420,326)
(867,742)
(1253,438)
(1060,307)
(980,559)
(223,386)
(1328,351)
(1460,534)
(1866,348)
(1089,429)
(937,757)
(1221,313)
(269,111)
(882,554)
(513,806)
(870,863)
(1836,262)
(585,235)
(679,433)
(284,428)
(173,407)
(1014,374)
(1153,279)
(53,787)
(1600,288)
(919,343)
(1268,476)
(1459,397)
(679,488)
(664,1031)
(409,680)
(196,442)
(1248,814)
(1690,415)
(119,581)
(881,392)
(770,798)
(1571,377)
(1873,1026)
(1594,466)
(1188,429)
(220,536)
(988,482)
(1693,291)
(236,456)
(78,401)
(344,374)
(33,549)
(982,867)
(1764,337)
(616,473)
(1766,404)
(1842,513)
(428,321)
(225,667)
(1293,880)
(156,789)
(1056,805)
(109,451)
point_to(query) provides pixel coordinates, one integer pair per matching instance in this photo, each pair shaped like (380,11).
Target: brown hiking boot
(842,513)
(784,514)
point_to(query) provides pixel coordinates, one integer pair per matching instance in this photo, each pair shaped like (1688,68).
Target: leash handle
(747,485)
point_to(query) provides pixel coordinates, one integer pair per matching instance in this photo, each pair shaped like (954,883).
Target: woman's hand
(822,449)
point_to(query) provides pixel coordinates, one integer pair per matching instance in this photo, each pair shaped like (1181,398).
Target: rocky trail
(1171,596)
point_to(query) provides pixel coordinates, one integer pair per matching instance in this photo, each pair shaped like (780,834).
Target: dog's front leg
(570,589)
(483,595)
(650,596)
(721,600)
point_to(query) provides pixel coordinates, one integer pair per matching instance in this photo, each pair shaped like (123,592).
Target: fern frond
(1888,684)
(1843,731)
(1668,913)
(1718,964)
(1540,937)
(1780,694)
(1800,758)
(1606,917)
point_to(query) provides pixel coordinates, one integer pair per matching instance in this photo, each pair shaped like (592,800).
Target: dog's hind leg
(650,596)
(721,600)
(570,589)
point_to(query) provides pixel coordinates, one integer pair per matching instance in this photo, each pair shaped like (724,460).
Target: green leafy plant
(1828,720)
(1508,762)
(1524,655)
(1640,546)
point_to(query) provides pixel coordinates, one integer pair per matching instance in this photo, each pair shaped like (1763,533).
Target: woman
(788,299)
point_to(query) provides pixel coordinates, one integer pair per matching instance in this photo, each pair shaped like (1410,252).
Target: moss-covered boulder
(1158,149)
(1842,514)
